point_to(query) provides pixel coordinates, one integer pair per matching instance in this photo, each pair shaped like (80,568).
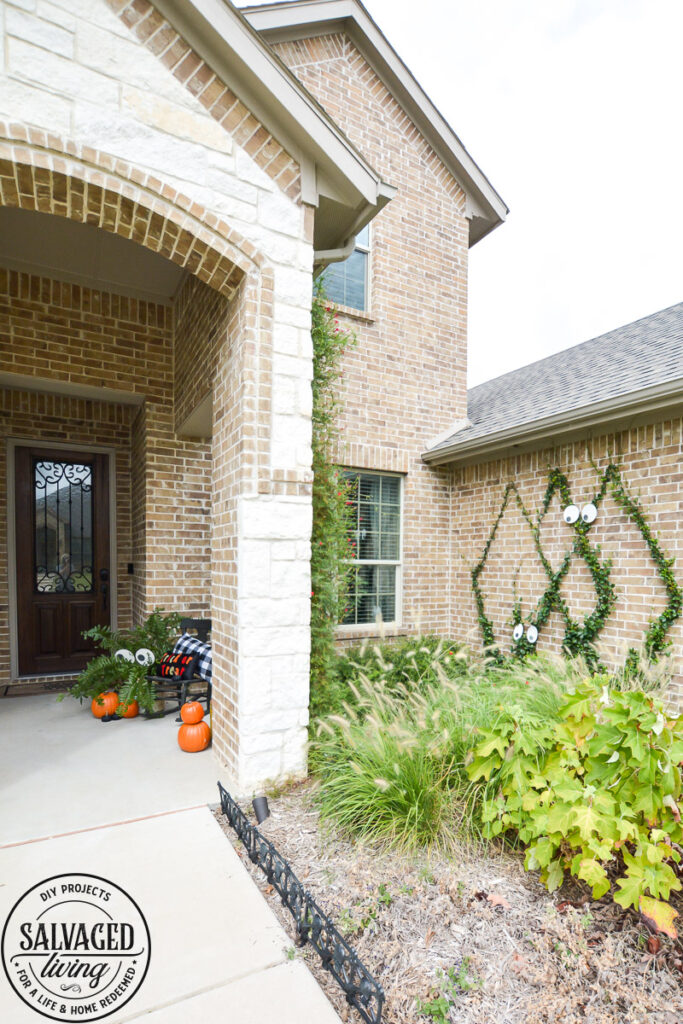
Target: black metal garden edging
(312,924)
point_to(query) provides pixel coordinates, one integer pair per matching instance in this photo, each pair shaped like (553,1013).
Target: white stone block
(295,753)
(255,769)
(57,14)
(293,286)
(291,578)
(131,63)
(305,398)
(39,32)
(286,396)
(279,213)
(25,5)
(297,429)
(273,641)
(297,316)
(268,722)
(130,139)
(275,247)
(284,550)
(254,740)
(22,102)
(172,119)
(286,340)
(99,13)
(254,569)
(58,74)
(275,520)
(275,610)
(290,692)
(291,366)
(249,170)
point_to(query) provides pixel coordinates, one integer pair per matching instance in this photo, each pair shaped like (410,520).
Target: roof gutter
(618,411)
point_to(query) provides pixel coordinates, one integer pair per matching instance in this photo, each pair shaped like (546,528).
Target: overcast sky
(574,111)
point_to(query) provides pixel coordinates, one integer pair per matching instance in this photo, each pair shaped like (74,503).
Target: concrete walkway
(70,789)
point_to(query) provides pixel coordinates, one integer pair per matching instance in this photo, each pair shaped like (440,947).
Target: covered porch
(138,463)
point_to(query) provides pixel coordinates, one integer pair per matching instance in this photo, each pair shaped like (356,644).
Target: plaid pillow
(178,666)
(191,645)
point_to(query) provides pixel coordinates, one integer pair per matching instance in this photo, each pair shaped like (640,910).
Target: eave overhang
(617,413)
(298,19)
(336,177)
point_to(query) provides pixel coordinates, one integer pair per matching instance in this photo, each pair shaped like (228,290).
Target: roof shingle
(640,355)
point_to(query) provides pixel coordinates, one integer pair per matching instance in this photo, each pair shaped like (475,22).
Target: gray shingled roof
(627,360)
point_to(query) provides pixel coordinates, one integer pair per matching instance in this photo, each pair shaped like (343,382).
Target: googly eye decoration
(589,512)
(123,654)
(518,632)
(144,656)
(532,634)
(571,514)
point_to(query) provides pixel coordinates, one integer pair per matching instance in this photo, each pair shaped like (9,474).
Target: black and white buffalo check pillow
(191,645)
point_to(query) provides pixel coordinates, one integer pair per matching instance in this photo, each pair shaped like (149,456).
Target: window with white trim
(346,283)
(375,536)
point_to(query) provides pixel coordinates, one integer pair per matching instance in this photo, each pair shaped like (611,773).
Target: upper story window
(346,283)
(375,584)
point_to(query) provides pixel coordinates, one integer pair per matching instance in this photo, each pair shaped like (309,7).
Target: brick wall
(54,418)
(650,457)
(87,337)
(405,382)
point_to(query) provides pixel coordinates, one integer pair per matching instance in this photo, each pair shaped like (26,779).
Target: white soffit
(299,19)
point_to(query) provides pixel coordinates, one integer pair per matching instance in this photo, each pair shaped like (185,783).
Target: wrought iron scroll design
(63,507)
(311,923)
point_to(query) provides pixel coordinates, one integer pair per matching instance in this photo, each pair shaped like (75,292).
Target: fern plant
(106,672)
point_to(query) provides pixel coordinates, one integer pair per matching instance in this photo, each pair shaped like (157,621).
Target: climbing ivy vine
(579,636)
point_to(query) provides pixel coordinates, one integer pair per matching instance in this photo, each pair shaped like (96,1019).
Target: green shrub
(408,663)
(392,764)
(595,793)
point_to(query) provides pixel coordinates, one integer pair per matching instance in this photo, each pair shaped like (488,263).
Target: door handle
(104,587)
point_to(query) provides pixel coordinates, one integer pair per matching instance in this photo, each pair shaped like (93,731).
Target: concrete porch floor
(61,769)
(122,801)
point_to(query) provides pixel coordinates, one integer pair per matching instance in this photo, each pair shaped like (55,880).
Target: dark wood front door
(62,548)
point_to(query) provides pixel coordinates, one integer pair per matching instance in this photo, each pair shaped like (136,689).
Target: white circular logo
(76,947)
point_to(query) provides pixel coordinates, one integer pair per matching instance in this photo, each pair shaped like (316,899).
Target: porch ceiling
(42,243)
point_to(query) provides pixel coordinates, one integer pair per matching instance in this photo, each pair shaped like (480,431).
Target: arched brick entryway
(43,173)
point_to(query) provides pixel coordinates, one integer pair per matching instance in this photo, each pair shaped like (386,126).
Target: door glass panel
(63,548)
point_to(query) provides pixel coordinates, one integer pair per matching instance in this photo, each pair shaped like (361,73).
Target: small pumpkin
(105,704)
(131,710)
(194,737)
(192,712)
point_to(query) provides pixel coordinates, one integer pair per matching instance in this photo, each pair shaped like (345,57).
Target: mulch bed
(519,954)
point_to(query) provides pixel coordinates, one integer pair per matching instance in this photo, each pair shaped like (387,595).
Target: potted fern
(127,676)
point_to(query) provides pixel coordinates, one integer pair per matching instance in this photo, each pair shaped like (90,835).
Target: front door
(62,547)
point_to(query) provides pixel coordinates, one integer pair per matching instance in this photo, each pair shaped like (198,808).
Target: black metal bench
(178,691)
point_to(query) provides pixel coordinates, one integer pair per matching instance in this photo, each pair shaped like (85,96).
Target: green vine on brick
(332,493)
(579,636)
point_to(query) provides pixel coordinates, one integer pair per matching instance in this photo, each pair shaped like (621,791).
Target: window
(376,532)
(346,283)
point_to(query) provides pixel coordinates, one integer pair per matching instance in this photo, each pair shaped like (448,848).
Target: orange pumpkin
(192,712)
(110,702)
(195,737)
(131,710)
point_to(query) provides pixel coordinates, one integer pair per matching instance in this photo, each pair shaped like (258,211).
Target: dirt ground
(476,930)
